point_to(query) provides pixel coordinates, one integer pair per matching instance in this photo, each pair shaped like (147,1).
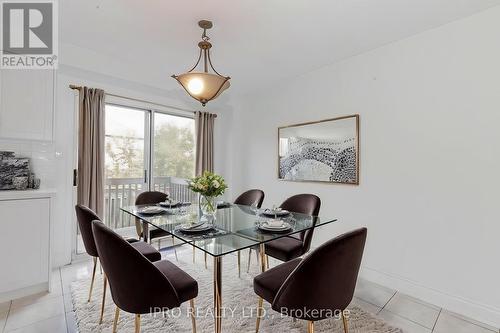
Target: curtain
(90,190)
(204,124)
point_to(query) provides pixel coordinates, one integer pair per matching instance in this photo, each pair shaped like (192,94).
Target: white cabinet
(25,245)
(27,104)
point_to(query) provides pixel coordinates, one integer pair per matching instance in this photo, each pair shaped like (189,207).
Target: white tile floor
(52,312)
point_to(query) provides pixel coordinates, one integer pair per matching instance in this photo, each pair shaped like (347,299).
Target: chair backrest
(136,284)
(250,197)
(325,279)
(150,198)
(308,204)
(85,216)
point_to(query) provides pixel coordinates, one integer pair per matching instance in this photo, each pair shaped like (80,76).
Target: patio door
(128,161)
(145,149)
(127,164)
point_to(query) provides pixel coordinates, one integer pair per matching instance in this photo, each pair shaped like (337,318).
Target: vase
(208,208)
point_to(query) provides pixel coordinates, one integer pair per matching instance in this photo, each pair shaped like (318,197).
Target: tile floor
(52,312)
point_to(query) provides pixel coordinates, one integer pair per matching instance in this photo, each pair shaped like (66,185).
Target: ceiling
(257,43)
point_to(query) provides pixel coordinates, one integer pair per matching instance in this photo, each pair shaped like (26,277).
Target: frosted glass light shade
(203,86)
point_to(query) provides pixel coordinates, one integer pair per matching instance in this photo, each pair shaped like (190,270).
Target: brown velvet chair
(152,198)
(318,286)
(248,198)
(85,216)
(291,247)
(138,285)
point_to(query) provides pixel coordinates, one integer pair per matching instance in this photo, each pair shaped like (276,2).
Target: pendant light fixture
(202,85)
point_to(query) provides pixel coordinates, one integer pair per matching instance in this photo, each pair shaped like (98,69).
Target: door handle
(75,177)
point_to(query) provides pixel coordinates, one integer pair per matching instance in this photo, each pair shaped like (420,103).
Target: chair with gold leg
(291,247)
(253,197)
(318,286)
(85,216)
(152,198)
(139,286)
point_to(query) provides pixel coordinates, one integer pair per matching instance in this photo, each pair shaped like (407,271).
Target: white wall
(429,111)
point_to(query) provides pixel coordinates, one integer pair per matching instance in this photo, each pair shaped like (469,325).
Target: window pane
(173,146)
(124,142)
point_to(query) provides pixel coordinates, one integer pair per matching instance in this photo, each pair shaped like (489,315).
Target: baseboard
(18,293)
(474,310)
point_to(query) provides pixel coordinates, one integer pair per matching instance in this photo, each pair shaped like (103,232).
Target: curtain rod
(75,87)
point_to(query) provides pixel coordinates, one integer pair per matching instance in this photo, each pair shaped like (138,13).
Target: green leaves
(208,184)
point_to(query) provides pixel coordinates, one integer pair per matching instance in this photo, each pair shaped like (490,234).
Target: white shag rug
(238,299)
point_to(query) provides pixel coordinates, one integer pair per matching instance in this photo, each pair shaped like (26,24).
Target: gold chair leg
(346,323)
(105,282)
(175,250)
(239,264)
(259,314)
(193,318)
(93,278)
(310,327)
(267,261)
(262,252)
(249,259)
(137,323)
(115,322)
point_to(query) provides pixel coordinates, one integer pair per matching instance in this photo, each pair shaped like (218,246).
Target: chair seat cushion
(185,286)
(285,248)
(267,284)
(147,250)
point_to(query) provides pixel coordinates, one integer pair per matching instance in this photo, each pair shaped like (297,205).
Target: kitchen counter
(27,194)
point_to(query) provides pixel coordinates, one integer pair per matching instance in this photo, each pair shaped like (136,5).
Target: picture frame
(324,151)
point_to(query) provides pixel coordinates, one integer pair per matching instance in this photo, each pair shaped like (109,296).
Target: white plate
(269,212)
(284,227)
(171,204)
(188,228)
(151,210)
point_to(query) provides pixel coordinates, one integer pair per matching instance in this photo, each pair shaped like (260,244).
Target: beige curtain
(91,150)
(204,122)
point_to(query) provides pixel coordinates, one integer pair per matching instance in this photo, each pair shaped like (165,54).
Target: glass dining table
(236,228)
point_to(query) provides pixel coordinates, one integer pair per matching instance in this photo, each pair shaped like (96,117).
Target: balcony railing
(121,192)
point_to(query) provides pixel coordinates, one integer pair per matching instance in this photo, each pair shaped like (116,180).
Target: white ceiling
(256,42)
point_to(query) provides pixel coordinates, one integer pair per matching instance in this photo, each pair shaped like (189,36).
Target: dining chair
(249,198)
(318,286)
(291,247)
(137,284)
(85,216)
(152,198)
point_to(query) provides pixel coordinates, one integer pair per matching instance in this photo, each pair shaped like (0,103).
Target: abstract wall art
(320,151)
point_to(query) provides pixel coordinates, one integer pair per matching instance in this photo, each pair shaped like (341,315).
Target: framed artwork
(324,151)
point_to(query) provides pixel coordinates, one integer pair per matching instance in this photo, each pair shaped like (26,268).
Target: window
(173,152)
(144,150)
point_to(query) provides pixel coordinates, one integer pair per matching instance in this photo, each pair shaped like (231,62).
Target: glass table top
(236,226)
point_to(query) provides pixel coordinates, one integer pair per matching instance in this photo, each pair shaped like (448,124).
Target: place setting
(274,226)
(151,210)
(274,220)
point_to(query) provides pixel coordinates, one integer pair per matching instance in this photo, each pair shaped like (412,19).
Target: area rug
(239,302)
